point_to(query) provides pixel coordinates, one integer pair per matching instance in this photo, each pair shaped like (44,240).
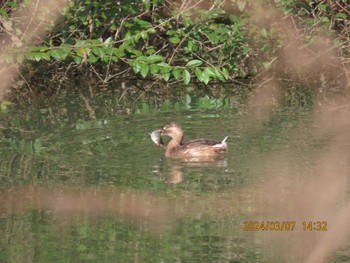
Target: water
(81,181)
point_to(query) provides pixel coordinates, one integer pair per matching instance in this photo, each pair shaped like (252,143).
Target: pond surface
(81,181)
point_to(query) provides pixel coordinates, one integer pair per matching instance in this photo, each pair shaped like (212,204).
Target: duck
(195,148)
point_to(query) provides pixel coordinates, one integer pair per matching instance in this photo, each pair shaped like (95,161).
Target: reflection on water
(81,189)
(172,170)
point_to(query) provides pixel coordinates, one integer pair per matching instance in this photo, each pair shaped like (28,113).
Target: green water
(81,181)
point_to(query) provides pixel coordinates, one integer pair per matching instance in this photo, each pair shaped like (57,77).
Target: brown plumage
(194,148)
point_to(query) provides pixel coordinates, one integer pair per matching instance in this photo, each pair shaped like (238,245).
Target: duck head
(174,131)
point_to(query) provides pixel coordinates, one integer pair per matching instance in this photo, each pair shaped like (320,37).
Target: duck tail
(224,143)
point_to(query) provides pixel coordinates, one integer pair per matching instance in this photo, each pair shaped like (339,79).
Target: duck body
(194,148)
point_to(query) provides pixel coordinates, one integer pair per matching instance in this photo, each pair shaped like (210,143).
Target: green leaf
(147,4)
(136,66)
(224,71)
(60,54)
(37,56)
(3,13)
(150,51)
(323,7)
(92,58)
(324,19)
(43,48)
(267,64)
(114,58)
(341,16)
(144,69)
(186,77)
(163,64)
(143,23)
(108,40)
(198,74)
(77,59)
(190,45)
(287,10)
(45,56)
(174,40)
(99,52)
(137,53)
(166,75)
(141,58)
(154,58)
(218,74)
(210,71)
(177,72)
(81,43)
(144,35)
(5,104)
(194,63)
(154,69)
(205,77)
(214,37)
(119,52)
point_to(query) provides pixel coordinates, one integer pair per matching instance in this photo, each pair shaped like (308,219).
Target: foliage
(315,18)
(178,40)
(139,35)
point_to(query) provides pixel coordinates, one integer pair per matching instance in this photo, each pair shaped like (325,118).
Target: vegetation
(56,131)
(171,40)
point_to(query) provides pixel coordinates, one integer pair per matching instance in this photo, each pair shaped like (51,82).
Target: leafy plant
(175,41)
